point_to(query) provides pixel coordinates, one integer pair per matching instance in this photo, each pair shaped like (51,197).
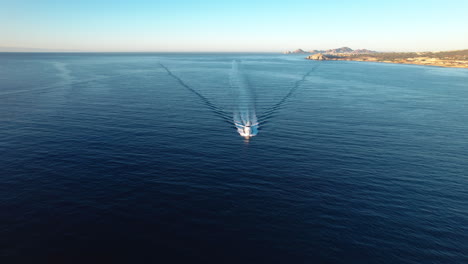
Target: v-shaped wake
(244,117)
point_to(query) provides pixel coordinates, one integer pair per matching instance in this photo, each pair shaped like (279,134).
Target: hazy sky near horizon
(241,25)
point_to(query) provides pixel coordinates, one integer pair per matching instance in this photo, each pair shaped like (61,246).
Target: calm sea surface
(137,157)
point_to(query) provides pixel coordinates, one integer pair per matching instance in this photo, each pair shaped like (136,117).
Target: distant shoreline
(410,63)
(446,59)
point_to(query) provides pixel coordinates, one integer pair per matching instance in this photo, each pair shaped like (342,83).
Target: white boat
(246,130)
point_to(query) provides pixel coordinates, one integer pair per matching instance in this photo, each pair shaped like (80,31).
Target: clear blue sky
(238,25)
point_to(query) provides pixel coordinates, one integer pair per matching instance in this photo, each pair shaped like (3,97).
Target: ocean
(230,158)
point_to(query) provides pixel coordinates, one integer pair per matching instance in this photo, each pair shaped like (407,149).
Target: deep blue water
(136,157)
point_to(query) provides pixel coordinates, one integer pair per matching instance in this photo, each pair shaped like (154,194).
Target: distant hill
(346,50)
(363,51)
(339,50)
(342,50)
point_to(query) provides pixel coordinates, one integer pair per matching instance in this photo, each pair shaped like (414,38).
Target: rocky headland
(298,51)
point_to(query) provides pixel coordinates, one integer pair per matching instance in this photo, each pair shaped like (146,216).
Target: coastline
(446,59)
(445,65)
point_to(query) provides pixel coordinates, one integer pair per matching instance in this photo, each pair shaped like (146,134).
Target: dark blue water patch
(107,158)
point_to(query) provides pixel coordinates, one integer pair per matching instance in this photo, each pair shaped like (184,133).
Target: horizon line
(45,50)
